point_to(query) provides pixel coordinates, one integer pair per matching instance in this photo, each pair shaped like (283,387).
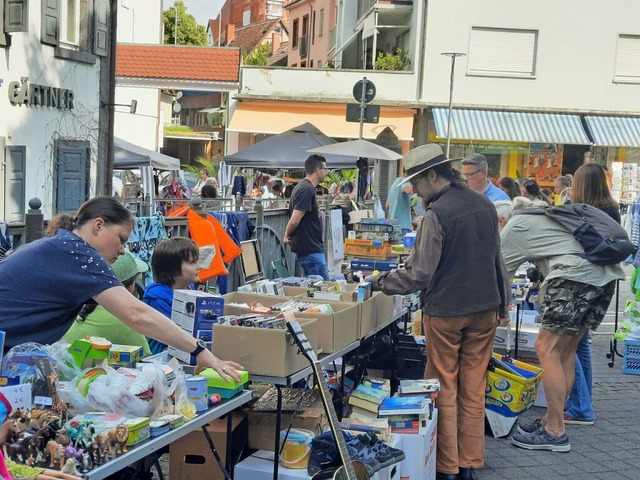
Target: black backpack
(603,239)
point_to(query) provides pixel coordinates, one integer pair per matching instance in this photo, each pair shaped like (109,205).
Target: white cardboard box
(420,449)
(259,466)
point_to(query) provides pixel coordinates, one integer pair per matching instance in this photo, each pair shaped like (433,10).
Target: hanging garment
(206,231)
(239,186)
(146,234)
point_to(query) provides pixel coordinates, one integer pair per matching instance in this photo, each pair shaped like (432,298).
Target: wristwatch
(200,346)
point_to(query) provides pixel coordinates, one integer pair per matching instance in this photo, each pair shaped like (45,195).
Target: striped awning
(615,131)
(511,126)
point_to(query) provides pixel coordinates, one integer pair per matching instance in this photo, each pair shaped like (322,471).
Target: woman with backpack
(573,298)
(590,186)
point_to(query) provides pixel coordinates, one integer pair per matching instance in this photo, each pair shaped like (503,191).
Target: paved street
(607,450)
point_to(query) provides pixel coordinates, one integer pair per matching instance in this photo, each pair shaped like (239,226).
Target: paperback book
(404,405)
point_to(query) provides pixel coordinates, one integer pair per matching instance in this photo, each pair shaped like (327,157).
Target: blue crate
(631,363)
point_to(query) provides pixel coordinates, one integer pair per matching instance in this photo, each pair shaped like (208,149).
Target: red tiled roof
(178,62)
(249,37)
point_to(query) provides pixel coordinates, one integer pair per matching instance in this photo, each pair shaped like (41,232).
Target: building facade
(538,94)
(54,75)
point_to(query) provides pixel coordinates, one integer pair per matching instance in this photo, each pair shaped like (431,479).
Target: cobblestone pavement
(609,450)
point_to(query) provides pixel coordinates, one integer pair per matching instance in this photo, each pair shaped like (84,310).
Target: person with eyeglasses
(475,171)
(457,265)
(304,230)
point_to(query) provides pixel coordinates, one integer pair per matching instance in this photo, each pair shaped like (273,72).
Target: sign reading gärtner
(34,95)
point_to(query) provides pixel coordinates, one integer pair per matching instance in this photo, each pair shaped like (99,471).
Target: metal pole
(363,106)
(175,28)
(220,27)
(453,56)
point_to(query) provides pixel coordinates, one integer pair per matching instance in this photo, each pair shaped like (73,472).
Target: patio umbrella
(358,148)
(287,150)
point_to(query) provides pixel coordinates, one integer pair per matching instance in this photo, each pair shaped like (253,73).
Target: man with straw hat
(457,265)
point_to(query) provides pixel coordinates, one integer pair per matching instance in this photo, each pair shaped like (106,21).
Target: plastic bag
(183,405)
(630,327)
(129,391)
(378,211)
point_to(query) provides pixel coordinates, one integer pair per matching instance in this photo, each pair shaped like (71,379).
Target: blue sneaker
(542,440)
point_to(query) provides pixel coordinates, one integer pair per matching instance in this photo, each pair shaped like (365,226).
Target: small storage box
(225,392)
(631,364)
(158,427)
(174,420)
(214,380)
(138,430)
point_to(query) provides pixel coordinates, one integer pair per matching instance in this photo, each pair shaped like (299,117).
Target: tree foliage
(258,56)
(189,32)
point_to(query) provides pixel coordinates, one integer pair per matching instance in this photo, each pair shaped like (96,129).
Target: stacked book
(365,401)
(428,387)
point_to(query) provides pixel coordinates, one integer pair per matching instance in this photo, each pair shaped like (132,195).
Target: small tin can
(197,392)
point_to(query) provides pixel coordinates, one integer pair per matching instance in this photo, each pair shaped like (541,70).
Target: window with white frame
(627,67)
(70,21)
(502,52)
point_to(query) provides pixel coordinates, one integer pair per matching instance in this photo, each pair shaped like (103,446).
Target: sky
(203,10)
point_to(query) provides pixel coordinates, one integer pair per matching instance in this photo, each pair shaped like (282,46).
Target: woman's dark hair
(534,275)
(533,189)
(590,186)
(208,191)
(168,256)
(110,209)
(511,186)
(87,308)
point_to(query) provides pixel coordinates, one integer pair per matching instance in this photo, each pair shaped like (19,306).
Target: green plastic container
(215,381)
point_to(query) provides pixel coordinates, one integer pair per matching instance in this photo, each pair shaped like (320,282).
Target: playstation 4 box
(194,310)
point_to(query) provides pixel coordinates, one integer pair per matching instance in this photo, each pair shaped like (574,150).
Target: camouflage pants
(567,304)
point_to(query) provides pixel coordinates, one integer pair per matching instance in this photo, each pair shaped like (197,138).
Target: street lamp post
(175,26)
(453,56)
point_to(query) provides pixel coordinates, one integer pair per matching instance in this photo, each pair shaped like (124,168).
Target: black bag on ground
(603,239)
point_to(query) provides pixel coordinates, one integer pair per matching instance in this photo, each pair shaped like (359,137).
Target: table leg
(215,453)
(515,347)
(276,452)
(228,455)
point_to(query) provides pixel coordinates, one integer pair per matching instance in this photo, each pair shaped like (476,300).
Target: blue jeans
(314,264)
(579,404)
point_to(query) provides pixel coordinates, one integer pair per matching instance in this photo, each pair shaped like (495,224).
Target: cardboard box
(263,351)
(191,457)
(194,310)
(367,311)
(262,425)
(420,450)
(384,307)
(527,335)
(124,354)
(335,330)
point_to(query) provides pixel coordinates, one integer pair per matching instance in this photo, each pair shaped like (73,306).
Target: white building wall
(38,127)
(139,22)
(574,64)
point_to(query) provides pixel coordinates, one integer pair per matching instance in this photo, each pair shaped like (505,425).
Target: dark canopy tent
(127,155)
(288,151)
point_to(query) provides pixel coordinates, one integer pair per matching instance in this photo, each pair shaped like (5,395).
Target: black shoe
(466,474)
(447,476)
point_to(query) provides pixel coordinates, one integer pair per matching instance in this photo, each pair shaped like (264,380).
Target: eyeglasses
(414,181)
(469,175)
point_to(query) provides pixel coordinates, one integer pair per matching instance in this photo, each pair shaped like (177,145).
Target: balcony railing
(365,5)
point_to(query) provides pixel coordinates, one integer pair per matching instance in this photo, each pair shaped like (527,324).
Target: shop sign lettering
(34,95)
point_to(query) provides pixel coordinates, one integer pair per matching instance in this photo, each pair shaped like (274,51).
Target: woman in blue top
(175,266)
(44,284)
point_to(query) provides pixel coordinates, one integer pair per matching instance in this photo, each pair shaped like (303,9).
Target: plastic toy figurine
(118,439)
(86,461)
(70,467)
(56,453)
